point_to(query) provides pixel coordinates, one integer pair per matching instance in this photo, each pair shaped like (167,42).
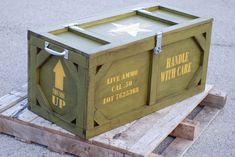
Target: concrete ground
(17,16)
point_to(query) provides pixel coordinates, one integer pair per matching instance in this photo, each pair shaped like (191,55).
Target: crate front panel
(123,86)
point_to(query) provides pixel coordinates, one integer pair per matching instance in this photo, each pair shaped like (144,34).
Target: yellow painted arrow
(59,75)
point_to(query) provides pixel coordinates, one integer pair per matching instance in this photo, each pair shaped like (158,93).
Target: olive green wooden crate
(102,72)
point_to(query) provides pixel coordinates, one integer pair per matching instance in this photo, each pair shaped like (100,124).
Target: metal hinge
(158,47)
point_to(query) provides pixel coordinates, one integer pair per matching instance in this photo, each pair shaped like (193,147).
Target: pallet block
(136,139)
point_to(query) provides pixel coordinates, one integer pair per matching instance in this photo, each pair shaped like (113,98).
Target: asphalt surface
(16,17)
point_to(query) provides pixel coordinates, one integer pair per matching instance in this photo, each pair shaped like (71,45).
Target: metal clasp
(158,47)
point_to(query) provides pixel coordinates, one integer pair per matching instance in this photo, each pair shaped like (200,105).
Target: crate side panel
(58,86)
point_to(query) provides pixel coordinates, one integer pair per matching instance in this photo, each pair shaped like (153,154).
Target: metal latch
(158,47)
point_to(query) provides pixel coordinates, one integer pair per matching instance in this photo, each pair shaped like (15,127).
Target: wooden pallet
(138,138)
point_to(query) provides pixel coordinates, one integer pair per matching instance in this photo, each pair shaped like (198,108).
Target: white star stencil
(131,29)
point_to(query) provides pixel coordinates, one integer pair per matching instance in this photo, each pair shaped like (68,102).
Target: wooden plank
(47,124)
(102,71)
(16,109)
(215,98)
(196,78)
(12,98)
(8,101)
(143,135)
(152,16)
(23,140)
(27,115)
(20,93)
(100,118)
(201,41)
(206,53)
(42,57)
(180,146)
(154,79)
(54,139)
(187,129)
(90,109)
(167,124)
(88,34)
(14,102)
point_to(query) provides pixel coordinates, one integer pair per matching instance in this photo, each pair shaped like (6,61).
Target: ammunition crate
(101,72)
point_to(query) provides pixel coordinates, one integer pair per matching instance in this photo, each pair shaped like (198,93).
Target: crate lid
(120,27)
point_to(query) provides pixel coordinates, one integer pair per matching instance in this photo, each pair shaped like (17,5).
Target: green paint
(112,76)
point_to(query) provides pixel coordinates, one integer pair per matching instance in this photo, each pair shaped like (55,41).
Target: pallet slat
(187,129)
(53,139)
(16,109)
(47,124)
(162,124)
(215,98)
(13,98)
(8,101)
(180,146)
